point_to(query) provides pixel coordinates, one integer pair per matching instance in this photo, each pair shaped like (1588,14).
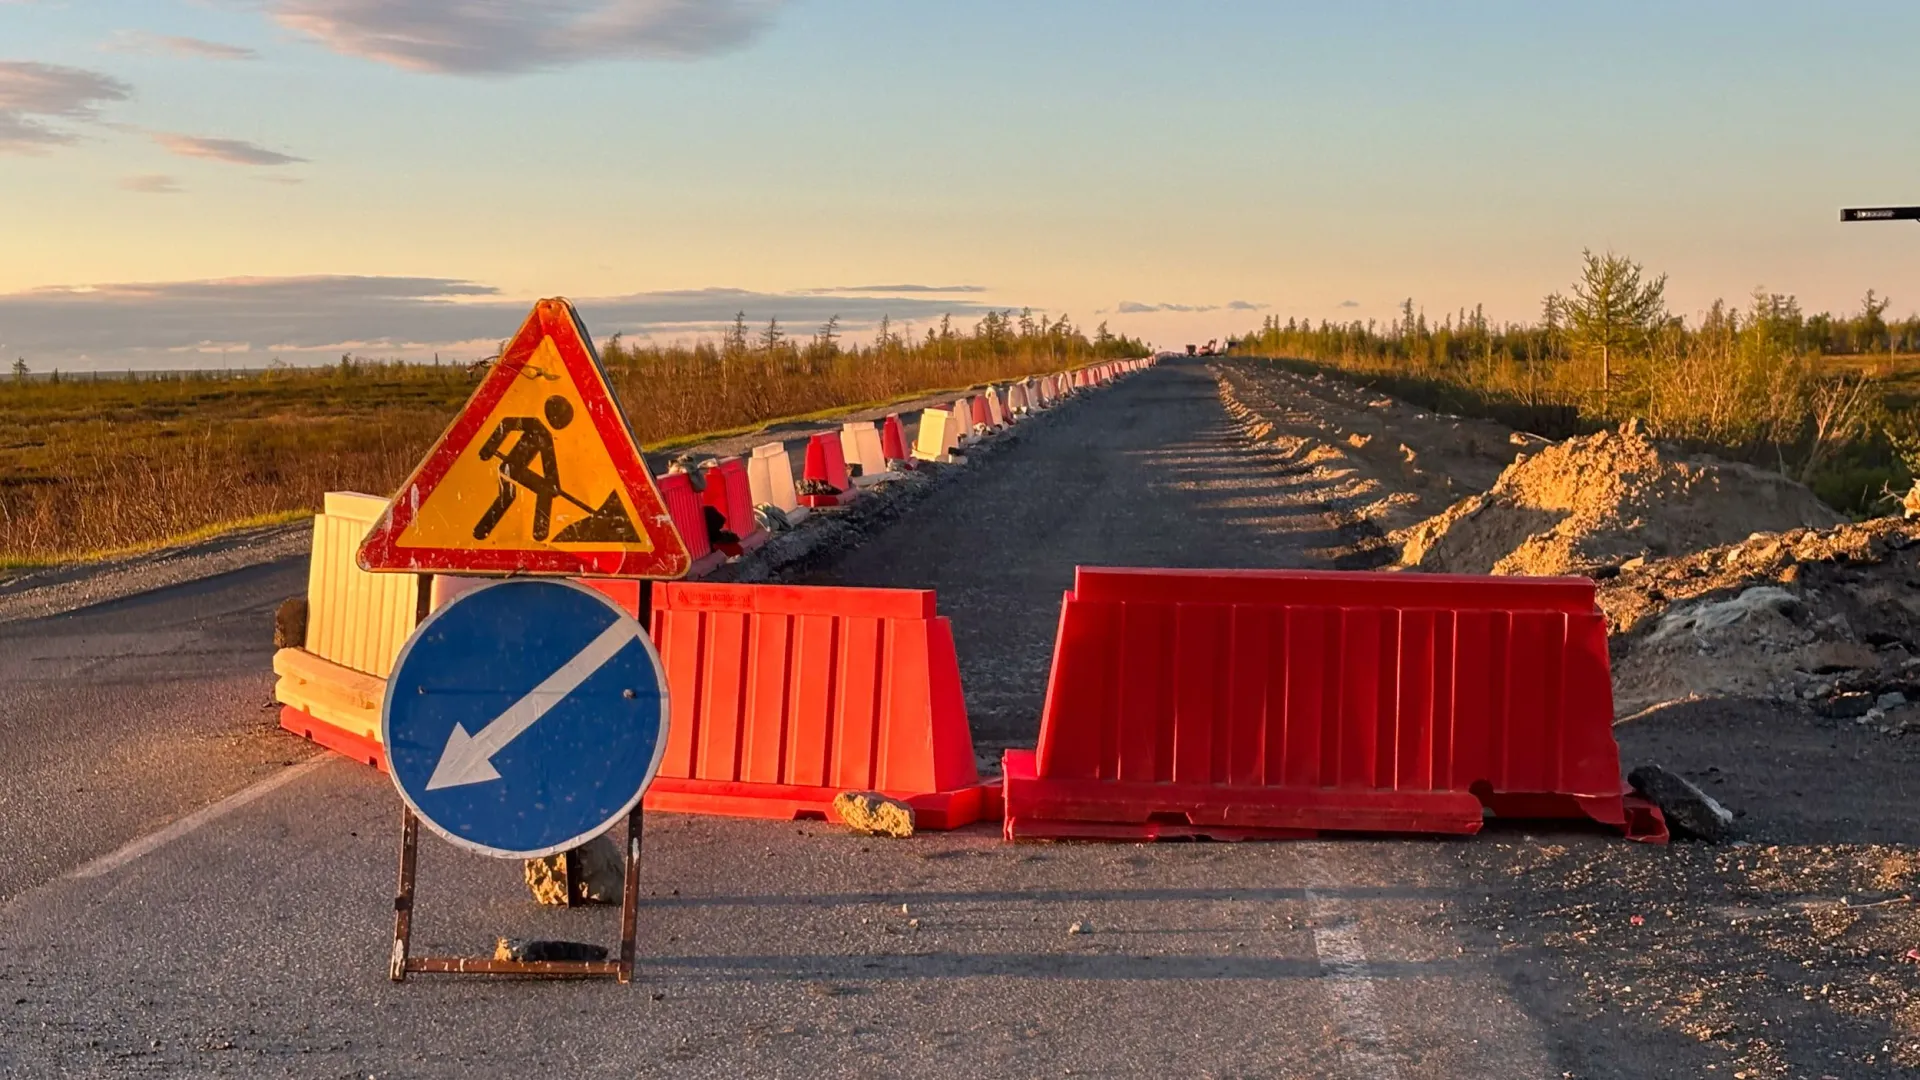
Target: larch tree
(1612,309)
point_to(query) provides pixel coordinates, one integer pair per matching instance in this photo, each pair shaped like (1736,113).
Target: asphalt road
(250,939)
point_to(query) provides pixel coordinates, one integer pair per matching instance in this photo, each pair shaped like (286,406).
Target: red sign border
(557,320)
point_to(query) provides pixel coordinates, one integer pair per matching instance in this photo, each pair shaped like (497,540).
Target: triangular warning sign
(538,474)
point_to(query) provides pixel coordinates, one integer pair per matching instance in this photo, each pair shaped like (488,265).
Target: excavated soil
(1718,579)
(1597,500)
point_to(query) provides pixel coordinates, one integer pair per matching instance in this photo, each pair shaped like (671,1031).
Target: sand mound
(1599,500)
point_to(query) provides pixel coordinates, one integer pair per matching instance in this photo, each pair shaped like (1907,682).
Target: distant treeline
(754,371)
(1826,398)
(91,465)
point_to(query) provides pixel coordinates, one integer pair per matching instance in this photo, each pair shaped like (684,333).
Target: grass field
(93,468)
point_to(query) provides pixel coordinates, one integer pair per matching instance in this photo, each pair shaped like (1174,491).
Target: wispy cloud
(31,94)
(1134,307)
(151,184)
(253,320)
(232,151)
(490,37)
(141,41)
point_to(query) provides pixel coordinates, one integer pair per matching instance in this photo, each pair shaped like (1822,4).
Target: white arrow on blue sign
(525,717)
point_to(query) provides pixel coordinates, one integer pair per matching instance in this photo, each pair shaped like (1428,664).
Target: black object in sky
(1881,213)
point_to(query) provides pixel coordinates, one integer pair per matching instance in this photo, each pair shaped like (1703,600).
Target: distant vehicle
(1190,350)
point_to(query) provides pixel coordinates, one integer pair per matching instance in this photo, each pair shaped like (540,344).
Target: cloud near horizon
(1134,307)
(32,94)
(252,321)
(826,289)
(231,151)
(488,37)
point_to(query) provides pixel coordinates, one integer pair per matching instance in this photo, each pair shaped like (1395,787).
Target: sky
(226,182)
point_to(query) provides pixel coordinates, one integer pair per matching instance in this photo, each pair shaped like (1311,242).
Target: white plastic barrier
(770,479)
(938,436)
(996,408)
(860,444)
(1017,398)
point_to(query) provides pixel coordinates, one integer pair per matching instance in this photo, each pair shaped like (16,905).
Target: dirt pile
(1596,501)
(1830,617)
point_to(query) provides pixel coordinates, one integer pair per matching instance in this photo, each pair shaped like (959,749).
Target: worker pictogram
(539,474)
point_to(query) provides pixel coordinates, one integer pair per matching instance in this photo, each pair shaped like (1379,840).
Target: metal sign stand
(403,904)
(403,900)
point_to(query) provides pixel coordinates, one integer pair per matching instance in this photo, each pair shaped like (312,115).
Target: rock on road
(251,939)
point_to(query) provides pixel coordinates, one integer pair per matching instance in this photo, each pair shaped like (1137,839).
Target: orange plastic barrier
(728,492)
(893,443)
(826,464)
(676,490)
(784,696)
(1243,704)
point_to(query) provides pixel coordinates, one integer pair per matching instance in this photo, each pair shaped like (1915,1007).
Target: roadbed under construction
(187,890)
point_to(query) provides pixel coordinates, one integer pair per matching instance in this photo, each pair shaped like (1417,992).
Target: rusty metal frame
(403,963)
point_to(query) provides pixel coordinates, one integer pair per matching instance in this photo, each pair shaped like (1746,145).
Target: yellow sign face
(539,474)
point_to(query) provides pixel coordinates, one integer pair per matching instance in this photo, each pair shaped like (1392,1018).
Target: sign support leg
(403,896)
(630,894)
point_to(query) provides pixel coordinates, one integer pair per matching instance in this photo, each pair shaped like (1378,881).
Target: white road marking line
(114,860)
(1336,940)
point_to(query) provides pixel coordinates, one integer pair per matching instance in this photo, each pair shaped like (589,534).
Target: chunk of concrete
(874,814)
(599,874)
(1688,809)
(290,624)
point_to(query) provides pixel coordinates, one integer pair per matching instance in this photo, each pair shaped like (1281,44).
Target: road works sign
(539,474)
(525,717)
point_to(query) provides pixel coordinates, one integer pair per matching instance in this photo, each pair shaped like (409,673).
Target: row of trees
(765,370)
(1756,382)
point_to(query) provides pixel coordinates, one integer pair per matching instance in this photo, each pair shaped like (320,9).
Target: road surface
(186,891)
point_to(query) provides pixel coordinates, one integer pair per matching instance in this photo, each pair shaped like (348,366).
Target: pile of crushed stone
(1827,617)
(1594,502)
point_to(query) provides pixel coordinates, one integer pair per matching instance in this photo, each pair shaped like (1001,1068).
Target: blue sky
(1148,164)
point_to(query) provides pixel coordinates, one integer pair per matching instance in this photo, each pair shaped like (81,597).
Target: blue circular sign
(525,717)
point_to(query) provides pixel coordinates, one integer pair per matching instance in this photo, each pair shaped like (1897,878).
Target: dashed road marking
(1349,983)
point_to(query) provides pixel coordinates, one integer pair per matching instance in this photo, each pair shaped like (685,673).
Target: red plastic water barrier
(893,442)
(728,492)
(1242,704)
(342,742)
(826,463)
(784,696)
(676,490)
(982,416)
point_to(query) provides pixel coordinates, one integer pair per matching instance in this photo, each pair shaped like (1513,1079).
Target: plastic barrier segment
(1346,588)
(785,696)
(730,492)
(1288,701)
(676,490)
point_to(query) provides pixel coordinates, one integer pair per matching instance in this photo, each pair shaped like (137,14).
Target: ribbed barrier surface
(729,492)
(676,490)
(355,619)
(1239,704)
(784,696)
(826,464)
